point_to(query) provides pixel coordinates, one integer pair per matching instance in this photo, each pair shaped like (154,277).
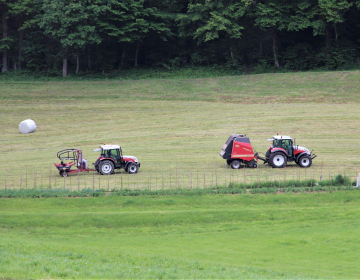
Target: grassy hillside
(177,127)
(223,236)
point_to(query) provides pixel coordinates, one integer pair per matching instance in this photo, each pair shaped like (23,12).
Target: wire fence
(158,177)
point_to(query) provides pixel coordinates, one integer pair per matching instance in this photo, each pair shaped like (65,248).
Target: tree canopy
(55,37)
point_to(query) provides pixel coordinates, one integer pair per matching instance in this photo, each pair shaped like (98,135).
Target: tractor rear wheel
(106,167)
(235,164)
(277,160)
(96,164)
(132,168)
(305,161)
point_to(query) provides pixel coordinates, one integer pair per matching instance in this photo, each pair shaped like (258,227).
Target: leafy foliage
(113,35)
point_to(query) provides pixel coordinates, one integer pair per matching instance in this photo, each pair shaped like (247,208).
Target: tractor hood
(302,148)
(134,158)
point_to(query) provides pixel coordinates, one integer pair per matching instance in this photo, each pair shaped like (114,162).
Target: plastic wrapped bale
(27,126)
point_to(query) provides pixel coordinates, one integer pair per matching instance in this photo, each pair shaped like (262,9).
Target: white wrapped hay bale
(27,126)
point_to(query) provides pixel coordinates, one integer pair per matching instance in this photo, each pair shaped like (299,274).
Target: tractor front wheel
(235,164)
(132,168)
(106,167)
(277,160)
(305,161)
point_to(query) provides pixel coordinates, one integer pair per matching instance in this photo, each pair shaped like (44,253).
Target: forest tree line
(62,36)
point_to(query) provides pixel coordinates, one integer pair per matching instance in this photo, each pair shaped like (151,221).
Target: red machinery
(76,159)
(238,150)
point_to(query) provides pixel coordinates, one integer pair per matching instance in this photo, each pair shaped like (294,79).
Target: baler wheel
(63,173)
(305,161)
(277,160)
(106,167)
(235,164)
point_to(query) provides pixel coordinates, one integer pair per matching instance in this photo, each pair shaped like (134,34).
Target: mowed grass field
(179,126)
(220,236)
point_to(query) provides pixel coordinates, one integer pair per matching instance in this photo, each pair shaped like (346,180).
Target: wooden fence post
(21,179)
(190,179)
(204,177)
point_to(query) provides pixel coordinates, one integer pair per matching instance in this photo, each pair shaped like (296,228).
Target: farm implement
(110,158)
(238,150)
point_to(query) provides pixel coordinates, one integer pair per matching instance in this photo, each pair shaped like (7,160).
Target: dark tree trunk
(77,61)
(336,33)
(137,54)
(89,58)
(261,46)
(20,55)
(327,39)
(123,54)
(275,49)
(65,62)
(5,34)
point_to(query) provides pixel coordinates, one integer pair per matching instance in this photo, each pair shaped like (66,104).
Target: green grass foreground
(225,236)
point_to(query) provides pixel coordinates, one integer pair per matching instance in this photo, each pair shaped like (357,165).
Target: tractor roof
(278,137)
(107,147)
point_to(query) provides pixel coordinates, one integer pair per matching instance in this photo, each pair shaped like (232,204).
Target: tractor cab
(113,152)
(283,142)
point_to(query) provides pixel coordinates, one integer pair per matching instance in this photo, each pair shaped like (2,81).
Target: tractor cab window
(287,146)
(277,143)
(112,153)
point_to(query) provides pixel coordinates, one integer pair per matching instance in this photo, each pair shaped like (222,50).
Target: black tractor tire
(106,167)
(235,164)
(96,164)
(132,168)
(63,173)
(277,160)
(228,161)
(305,161)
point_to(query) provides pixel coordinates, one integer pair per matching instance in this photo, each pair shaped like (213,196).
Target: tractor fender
(108,158)
(299,155)
(128,163)
(279,150)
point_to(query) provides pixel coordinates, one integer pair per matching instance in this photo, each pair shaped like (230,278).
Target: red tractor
(111,158)
(284,149)
(238,150)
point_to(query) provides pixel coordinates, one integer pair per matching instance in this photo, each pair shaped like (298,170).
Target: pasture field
(219,236)
(176,128)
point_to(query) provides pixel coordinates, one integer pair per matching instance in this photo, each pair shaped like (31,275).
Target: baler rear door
(242,149)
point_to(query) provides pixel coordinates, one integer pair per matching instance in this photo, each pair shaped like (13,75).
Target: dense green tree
(130,21)
(209,20)
(105,35)
(72,24)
